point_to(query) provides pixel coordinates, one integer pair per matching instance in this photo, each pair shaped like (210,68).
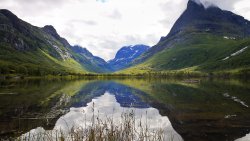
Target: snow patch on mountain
(236,53)
(229,38)
(126,55)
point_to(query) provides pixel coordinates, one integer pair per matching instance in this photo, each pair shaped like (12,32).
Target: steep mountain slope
(31,50)
(198,18)
(91,63)
(81,55)
(126,55)
(200,40)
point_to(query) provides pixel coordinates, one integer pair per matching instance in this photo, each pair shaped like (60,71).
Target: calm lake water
(208,110)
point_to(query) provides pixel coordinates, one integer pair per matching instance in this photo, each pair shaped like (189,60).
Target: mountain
(30,50)
(92,63)
(126,55)
(204,39)
(199,18)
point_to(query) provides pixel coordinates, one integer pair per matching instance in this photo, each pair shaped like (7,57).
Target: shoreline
(155,75)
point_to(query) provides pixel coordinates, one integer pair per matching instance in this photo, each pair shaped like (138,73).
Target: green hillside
(35,62)
(200,52)
(203,40)
(30,50)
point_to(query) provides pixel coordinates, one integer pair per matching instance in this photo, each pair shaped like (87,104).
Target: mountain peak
(80,49)
(127,55)
(12,17)
(7,13)
(49,27)
(202,4)
(197,2)
(203,16)
(51,30)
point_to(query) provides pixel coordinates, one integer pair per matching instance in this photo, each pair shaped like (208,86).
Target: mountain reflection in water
(210,110)
(106,106)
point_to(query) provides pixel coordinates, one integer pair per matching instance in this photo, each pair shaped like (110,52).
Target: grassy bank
(142,73)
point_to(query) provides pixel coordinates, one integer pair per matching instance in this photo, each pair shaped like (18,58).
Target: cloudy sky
(104,26)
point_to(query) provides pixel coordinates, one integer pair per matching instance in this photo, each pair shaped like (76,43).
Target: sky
(104,26)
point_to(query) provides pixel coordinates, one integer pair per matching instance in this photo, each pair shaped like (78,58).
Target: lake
(204,110)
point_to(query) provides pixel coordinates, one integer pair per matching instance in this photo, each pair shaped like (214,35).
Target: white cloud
(104,26)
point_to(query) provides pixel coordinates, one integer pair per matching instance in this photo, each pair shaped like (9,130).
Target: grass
(102,130)
(36,63)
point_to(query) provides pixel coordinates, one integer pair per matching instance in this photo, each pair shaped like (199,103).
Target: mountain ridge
(42,51)
(39,51)
(198,41)
(126,55)
(204,39)
(212,18)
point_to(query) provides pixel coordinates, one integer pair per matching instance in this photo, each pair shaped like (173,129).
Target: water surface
(207,110)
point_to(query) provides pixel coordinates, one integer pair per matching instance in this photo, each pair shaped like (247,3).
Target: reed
(102,130)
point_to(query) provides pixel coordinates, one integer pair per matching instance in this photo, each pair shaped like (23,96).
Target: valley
(204,41)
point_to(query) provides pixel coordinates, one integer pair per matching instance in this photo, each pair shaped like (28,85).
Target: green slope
(36,62)
(202,52)
(26,49)
(30,50)
(200,41)
(90,62)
